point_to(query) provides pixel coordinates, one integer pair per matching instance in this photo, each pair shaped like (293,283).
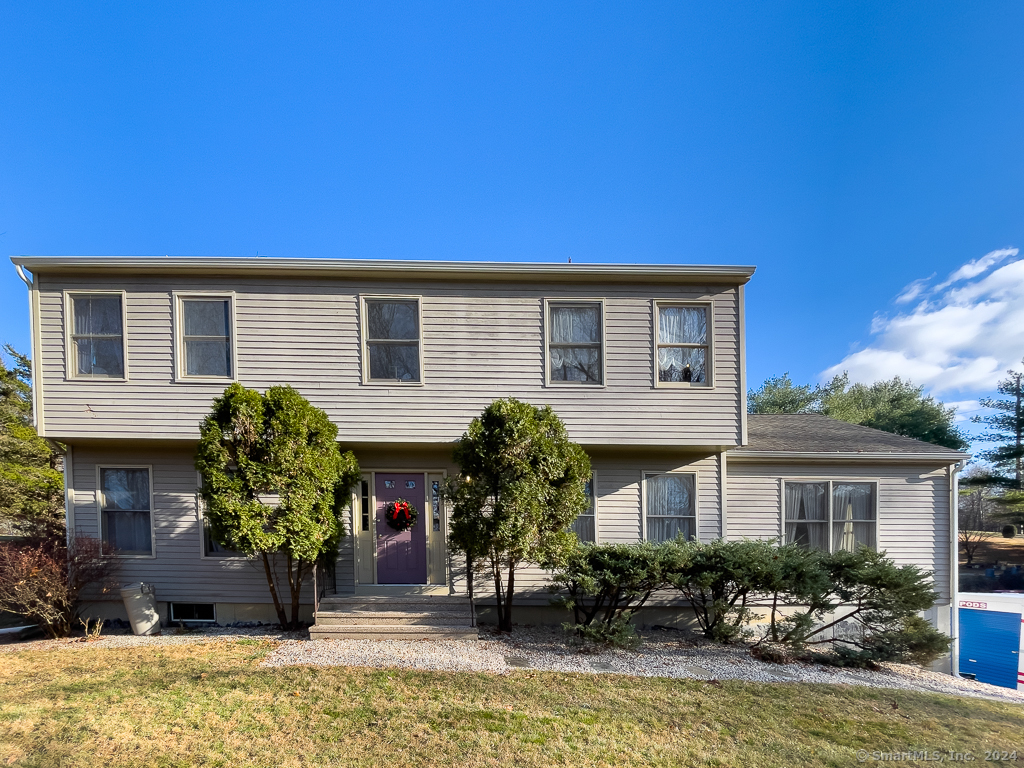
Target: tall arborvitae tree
(31,485)
(275,485)
(521,485)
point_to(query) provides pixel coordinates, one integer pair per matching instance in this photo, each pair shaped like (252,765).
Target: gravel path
(663,654)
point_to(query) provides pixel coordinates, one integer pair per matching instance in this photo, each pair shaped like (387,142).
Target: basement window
(200,612)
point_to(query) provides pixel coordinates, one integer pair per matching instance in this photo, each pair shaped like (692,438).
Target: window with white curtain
(831,516)
(575,341)
(97,336)
(392,340)
(125,510)
(205,323)
(683,349)
(585,525)
(671,506)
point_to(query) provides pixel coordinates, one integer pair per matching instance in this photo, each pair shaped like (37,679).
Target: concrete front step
(394,617)
(440,619)
(393,632)
(394,606)
(380,600)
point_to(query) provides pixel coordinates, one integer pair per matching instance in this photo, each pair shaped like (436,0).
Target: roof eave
(466,270)
(952,457)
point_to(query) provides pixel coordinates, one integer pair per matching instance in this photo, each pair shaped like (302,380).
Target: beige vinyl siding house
(643,363)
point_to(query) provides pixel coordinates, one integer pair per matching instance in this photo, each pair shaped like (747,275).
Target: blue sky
(849,150)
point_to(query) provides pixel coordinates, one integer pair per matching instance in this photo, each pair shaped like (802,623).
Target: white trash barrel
(140,602)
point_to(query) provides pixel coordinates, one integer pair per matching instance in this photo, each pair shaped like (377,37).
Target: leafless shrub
(45,582)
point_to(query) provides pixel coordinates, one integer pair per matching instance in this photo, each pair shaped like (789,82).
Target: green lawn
(213,705)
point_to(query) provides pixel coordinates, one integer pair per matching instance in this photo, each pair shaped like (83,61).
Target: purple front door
(401,555)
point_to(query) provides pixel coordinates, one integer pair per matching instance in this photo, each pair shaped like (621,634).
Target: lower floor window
(125,510)
(831,516)
(585,526)
(212,547)
(671,506)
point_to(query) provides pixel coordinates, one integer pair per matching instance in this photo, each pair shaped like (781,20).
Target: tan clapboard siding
(619,512)
(179,572)
(480,341)
(913,507)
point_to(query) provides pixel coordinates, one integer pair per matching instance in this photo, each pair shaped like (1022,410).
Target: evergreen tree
(254,447)
(521,485)
(894,405)
(779,394)
(1006,430)
(31,485)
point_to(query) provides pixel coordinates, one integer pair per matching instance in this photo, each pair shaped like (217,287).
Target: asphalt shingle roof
(813,433)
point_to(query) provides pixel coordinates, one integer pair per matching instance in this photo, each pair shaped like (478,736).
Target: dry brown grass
(212,705)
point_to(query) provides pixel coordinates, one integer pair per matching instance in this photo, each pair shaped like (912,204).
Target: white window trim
(364,331)
(709,363)
(830,481)
(71,355)
(201,519)
(178,298)
(152,511)
(644,474)
(547,341)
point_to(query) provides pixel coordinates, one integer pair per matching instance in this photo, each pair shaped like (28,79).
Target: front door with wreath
(401,535)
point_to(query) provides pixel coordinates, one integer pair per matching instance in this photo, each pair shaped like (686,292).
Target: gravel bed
(169,636)
(663,654)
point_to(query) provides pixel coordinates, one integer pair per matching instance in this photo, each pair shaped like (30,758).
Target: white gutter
(36,383)
(467,270)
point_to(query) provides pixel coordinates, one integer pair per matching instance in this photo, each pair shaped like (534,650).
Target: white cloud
(913,290)
(965,409)
(976,267)
(961,337)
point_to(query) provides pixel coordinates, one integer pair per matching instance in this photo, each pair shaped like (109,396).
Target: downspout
(32,347)
(954,566)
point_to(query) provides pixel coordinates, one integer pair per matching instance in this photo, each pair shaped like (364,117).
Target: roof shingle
(814,433)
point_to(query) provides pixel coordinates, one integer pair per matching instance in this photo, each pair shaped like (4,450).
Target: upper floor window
(392,340)
(125,510)
(683,349)
(831,516)
(97,335)
(585,525)
(671,506)
(575,342)
(205,337)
